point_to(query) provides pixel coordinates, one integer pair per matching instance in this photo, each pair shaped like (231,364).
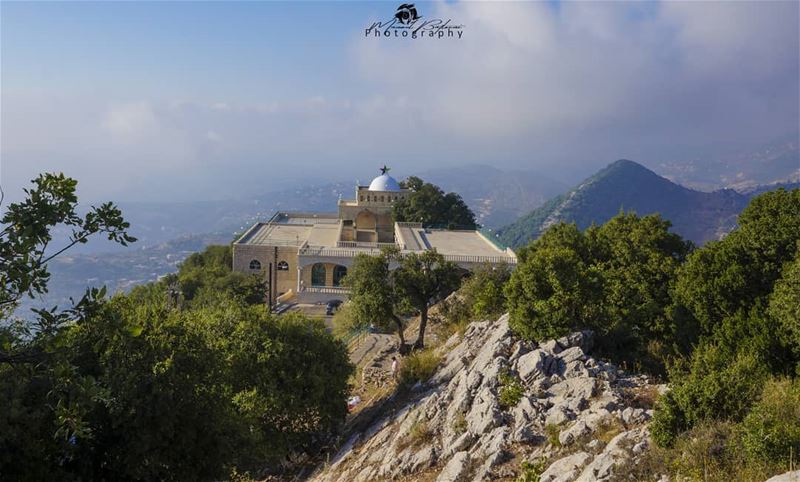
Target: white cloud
(529,84)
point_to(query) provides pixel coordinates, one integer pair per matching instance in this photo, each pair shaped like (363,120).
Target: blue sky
(184,100)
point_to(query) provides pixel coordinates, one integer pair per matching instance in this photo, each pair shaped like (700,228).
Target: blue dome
(384,182)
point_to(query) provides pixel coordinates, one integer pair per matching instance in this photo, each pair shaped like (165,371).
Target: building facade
(306,255)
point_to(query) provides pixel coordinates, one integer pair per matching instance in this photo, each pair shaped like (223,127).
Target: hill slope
(457,426)
(699,216)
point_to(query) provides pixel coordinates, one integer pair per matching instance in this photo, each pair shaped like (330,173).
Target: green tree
(613,279)
(134,389)
(422,279)
(732,274)
(44,397)
(428,204)
(205,277)
(483,290)
(735,297)
(379,294)
(374,298)
(784,307)
(554,289)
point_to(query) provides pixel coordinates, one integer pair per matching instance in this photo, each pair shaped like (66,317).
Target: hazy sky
(209,100)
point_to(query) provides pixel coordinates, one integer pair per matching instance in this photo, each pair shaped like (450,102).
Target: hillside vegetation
(722,320)
(189,378)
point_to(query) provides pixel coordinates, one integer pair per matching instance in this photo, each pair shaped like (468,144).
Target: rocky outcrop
(787,477)
(573,415)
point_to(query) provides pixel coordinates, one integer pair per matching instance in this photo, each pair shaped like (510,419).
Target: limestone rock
(456,468)
(566,469)
(470,435)
(787,477)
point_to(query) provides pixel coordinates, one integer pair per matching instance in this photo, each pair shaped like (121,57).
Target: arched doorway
(339,272)
(318,275)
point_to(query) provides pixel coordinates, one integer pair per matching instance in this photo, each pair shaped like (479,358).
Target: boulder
(456,468)
(533,365)
(787,477)
(565,469)
(573,433)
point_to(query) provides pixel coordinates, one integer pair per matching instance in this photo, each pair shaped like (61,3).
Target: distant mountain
(777,161)
(496,196)
(698,216)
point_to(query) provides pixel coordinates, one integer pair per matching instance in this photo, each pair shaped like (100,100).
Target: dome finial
(384,169)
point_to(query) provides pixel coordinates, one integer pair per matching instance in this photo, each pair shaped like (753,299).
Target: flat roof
(324,235)
(447,242)
(276,234)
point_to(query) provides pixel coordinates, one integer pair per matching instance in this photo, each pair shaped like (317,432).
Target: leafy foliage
(206,277)
(726,295)
(145,386)
(511,390)
(612,278)
(379,295)
(771,431)
(429,205)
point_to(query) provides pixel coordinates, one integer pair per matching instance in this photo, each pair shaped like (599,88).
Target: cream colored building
(306,255)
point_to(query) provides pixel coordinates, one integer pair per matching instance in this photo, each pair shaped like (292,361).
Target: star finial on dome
(384,169)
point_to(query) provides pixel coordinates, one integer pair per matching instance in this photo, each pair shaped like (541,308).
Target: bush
(532,471)
(483,290)
(419,366)
(456,312)
(715,385)
(771,431)
(613,279)
(511,390)
(345,322)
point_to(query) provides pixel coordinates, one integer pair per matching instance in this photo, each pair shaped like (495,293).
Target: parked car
(332,306)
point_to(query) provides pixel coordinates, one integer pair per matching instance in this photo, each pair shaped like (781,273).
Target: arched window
(318,275)
(381,198)
(255,264)
(283,266)
(339,272)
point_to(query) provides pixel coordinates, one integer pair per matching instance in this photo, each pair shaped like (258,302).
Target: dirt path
(369,346)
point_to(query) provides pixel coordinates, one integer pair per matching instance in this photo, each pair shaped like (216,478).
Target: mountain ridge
(629,186)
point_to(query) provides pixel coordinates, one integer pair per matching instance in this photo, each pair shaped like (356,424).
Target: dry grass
(551,432)
(640,397)
(419,366)
(419,434)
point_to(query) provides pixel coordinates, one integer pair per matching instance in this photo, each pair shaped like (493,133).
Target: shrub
(345,322)
(483,290)
(456,312)
(419,366)
(716,384)
(511,390)
(771,431)
(613,279)
(460,423)
(532,471)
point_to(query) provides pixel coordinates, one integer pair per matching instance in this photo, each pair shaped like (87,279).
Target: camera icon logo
(406,13)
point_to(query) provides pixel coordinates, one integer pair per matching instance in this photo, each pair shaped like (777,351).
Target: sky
(177,101)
